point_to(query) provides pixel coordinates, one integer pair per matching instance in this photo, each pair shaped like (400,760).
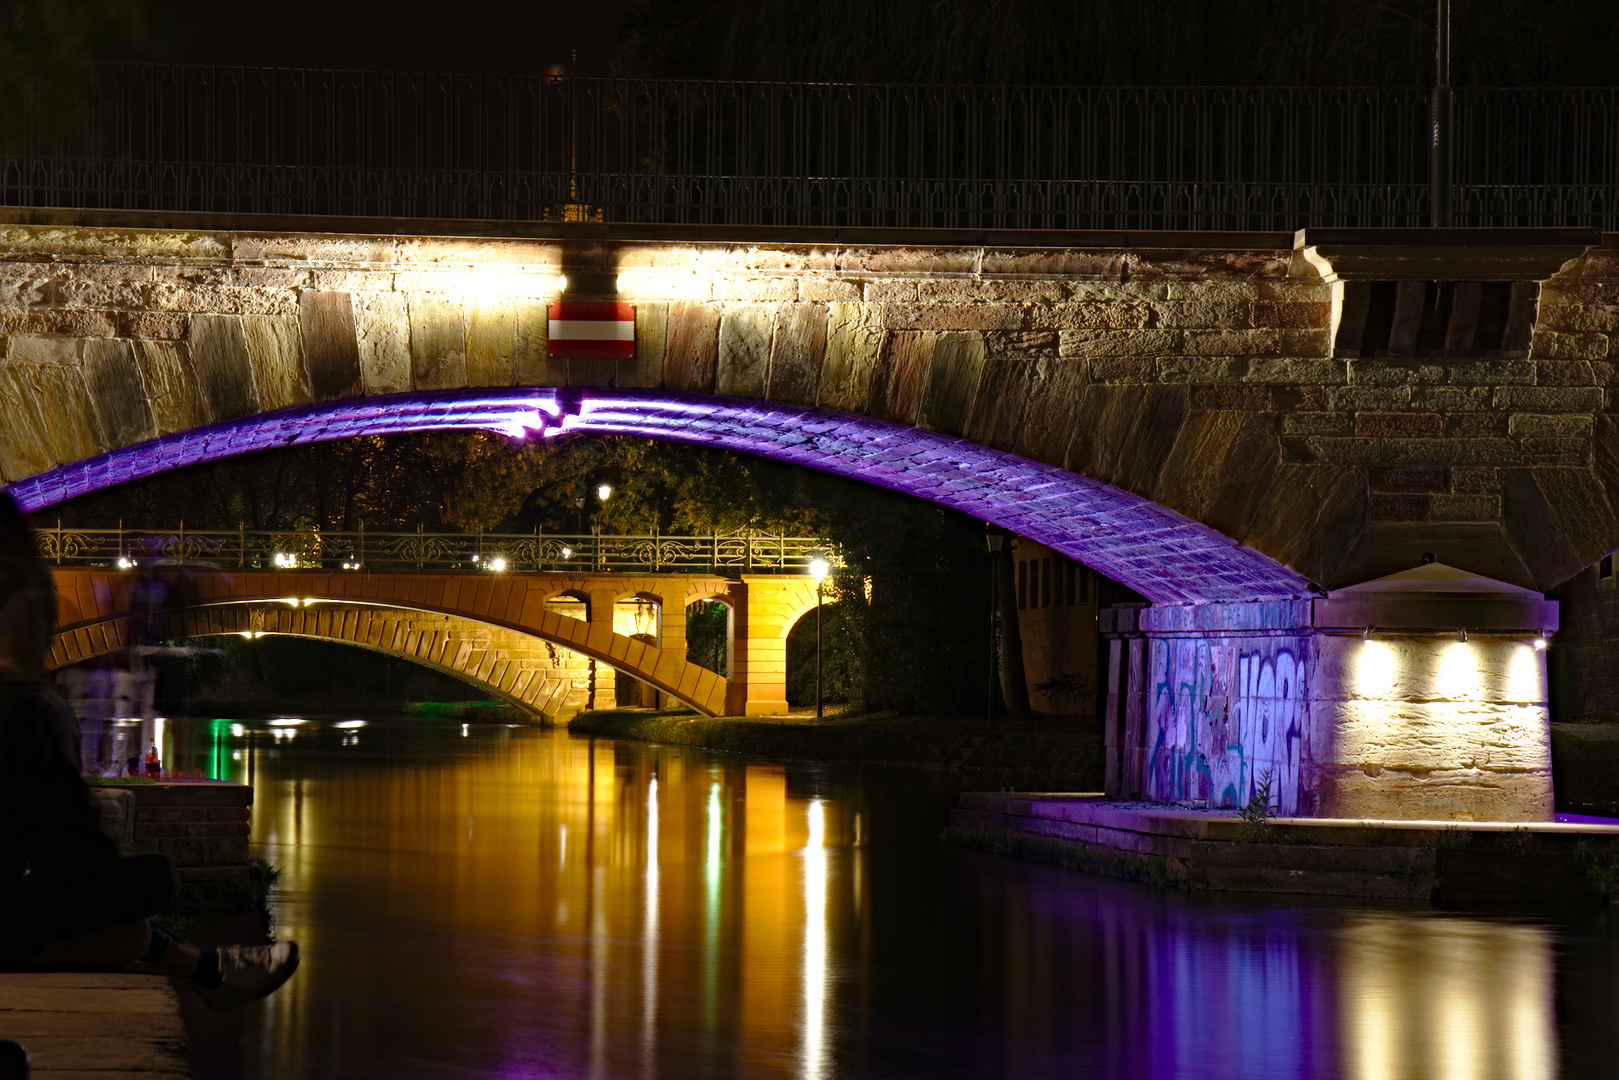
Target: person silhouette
(68,900)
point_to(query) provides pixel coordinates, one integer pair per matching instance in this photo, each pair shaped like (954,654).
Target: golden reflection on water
(1447,998)
(618,859)
(517,903)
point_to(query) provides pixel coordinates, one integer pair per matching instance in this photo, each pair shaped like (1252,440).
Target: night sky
(413,35)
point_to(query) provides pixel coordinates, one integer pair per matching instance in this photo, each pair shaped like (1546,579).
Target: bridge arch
(93,605)
(538,676)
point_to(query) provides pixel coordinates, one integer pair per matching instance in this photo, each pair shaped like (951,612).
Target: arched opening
(711,634)
(640,618)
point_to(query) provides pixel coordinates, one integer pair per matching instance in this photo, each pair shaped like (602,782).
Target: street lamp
(818,567)
(604,492)
(993,538)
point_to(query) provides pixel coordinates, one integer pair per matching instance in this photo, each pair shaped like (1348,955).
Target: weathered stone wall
(1341,724)
(1340,408)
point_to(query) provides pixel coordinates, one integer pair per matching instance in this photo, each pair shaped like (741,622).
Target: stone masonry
(1341,402)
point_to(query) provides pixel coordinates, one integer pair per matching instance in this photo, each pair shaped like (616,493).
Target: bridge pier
(1417,696)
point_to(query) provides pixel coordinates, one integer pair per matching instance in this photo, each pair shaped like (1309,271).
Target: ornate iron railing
(289,141)
(368,550)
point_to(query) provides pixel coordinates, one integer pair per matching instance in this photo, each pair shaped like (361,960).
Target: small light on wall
(125,563)
(284,561)
(1541,639)
(567,553)
(1366,635)
(498,563)
(1461,635)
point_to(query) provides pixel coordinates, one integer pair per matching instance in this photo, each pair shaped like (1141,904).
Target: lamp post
(993,538)
(818,567)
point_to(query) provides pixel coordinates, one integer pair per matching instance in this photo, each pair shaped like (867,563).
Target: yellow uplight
(1375,666)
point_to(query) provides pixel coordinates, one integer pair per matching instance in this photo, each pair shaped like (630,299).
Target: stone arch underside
(539,676)
(1164,555)
(90,601)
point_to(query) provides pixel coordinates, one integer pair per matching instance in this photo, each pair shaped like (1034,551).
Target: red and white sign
(586,330)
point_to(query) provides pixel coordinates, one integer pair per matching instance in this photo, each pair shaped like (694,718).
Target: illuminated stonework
(1365,704)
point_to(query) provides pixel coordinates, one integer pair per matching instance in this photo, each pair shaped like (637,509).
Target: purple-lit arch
(1166,557)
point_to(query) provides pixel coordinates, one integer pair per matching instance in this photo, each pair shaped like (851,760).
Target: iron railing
(294,141)
(368,550)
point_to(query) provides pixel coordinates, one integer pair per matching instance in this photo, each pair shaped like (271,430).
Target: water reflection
(523,903)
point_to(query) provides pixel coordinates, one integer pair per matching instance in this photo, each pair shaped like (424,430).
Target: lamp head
(819,567)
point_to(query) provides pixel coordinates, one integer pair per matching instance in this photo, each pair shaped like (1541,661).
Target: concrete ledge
(86,1024)
(1438,862)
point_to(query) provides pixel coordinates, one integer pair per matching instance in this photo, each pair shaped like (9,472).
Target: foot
(249,972)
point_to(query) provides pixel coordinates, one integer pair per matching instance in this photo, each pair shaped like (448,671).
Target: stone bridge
(532,639)
(1217,420)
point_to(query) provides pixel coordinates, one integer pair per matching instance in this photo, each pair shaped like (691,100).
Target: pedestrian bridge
(541,640)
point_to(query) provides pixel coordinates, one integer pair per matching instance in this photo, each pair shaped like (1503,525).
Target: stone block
(48,418)
(1426,481)
(1475,481)
(1548,398)
(1000,400)
(166,325)
(1572,373)
(781,289)
(1021,343)
(46,350)
(1561,425)
(224,370)
(1219,467)
(1357,398)
(1091,315)
(531,356)
(902,367)
(952,378)
(1318,423)
(438,342)
(1296,372)
(331,345)
(117,394)
(491,341)
(171,385)
(1290,289)
(645,372)
(693,343)
(1395,372)
(952,316)
(275,349)
(1231,342)
(797,351)
(910,260)
(1108,267)
(62,322)
(1551,451)
(854,337)
(1291,315)
(996,290)
(1056,401)
(1202,312)
(1213,291)
(382,336)
(1402,506)
(1093,343)
(1490,372)
(1452,398)
(1363,450)
(1230,396)
(826,290)
(1316,343)
(1475,425)
(1403,425)
(1202,369)
(1551,345)
(885,291)
(743,363)
(1466,508)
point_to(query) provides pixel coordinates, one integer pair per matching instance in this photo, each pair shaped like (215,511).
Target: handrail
(401,144)
(369,550)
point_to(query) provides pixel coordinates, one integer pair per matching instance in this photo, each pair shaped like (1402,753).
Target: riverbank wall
(203,826)
(1451,864)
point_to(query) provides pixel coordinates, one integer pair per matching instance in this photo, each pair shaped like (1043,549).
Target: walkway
(93,1025)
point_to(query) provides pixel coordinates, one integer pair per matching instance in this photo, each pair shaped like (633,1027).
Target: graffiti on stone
(1222,715)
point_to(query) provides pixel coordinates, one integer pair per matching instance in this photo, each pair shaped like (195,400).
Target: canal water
(490,901)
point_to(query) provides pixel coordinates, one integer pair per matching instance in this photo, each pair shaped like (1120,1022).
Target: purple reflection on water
(1165,556)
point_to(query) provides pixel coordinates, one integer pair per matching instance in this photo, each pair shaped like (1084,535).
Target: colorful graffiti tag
(1224,717)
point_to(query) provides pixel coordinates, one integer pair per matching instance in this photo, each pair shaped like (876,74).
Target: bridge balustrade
(394,144)
(728,554)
